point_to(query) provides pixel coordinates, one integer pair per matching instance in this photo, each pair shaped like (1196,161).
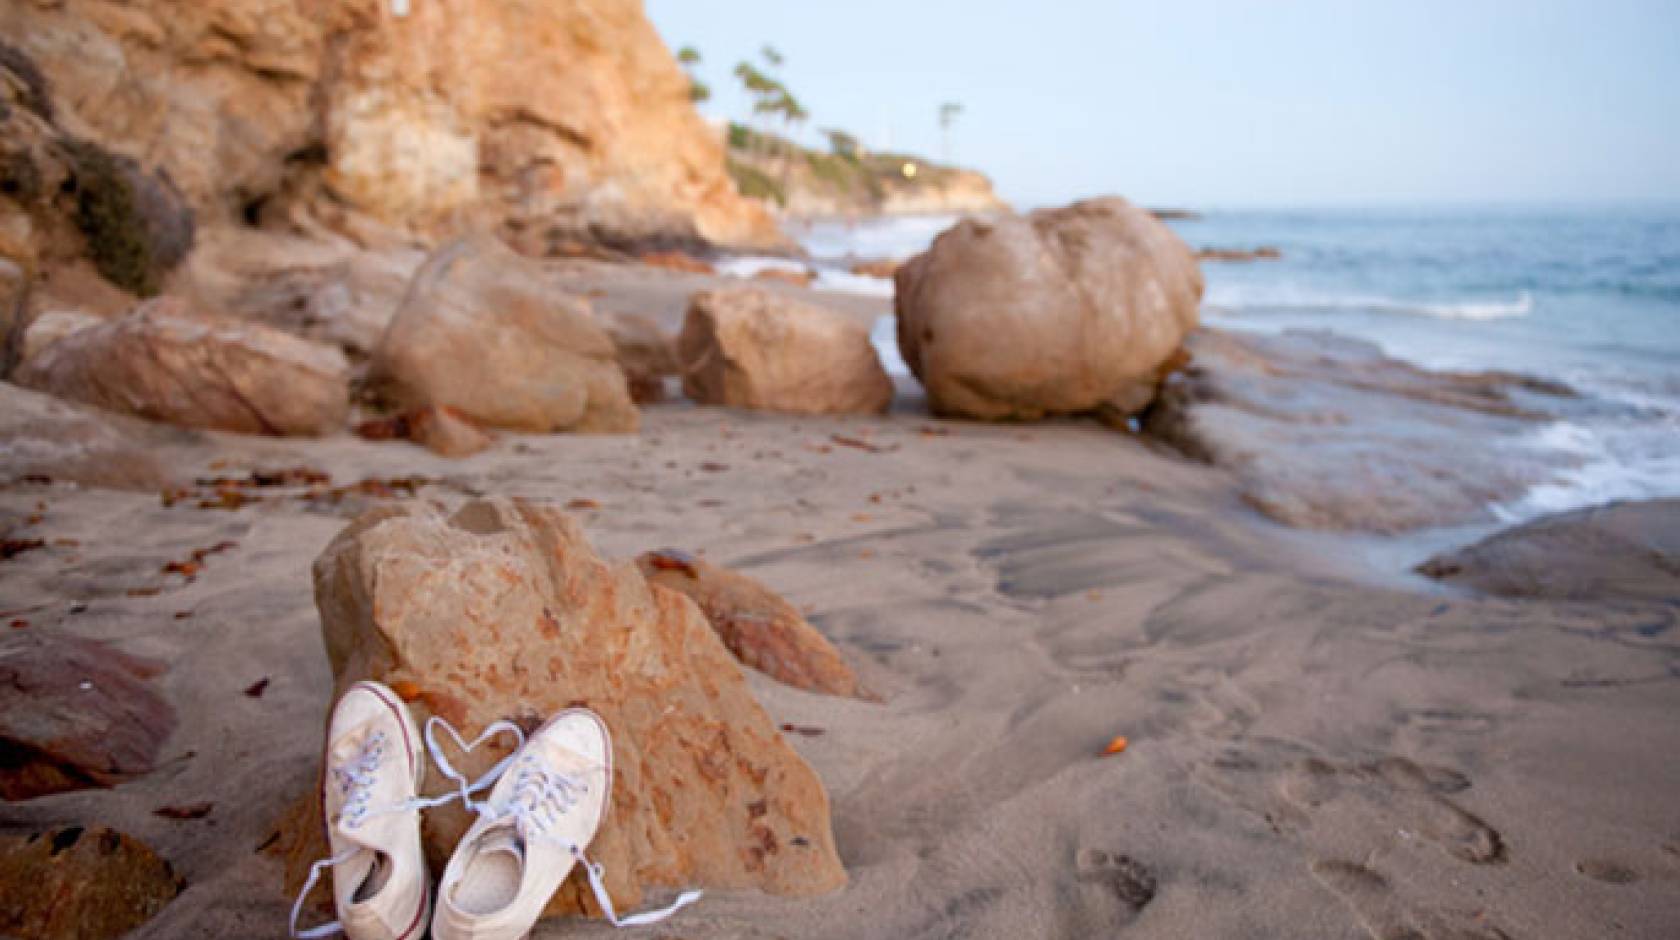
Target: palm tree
(947,116)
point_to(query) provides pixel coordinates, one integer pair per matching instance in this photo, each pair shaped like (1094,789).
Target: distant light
(909,171)
(399,7)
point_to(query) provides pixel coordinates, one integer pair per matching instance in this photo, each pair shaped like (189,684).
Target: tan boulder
(504,610)
(484,332)
(167,363)
(759,627)
(751,348)
(76,883)
(1054,312)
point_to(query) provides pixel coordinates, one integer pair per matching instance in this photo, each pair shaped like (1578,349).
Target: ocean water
(1588,297)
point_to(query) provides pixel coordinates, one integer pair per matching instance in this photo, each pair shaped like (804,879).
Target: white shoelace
(541,796)
(355,779)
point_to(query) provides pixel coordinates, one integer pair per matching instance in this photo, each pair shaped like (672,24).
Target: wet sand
(1317,751)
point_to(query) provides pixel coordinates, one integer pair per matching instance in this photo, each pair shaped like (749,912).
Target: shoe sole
(411,733)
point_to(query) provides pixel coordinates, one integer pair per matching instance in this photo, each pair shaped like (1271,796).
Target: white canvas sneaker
(530,832)
(372,770)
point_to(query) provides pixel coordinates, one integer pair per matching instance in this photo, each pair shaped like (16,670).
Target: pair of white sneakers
(546,801)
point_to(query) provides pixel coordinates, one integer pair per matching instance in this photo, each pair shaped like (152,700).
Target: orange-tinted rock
(677,261)
(784,276)
(759,627)
(752,348)
(503,610)
(75,714)
(80,884)
(884,268)
(1056,312)
(447,433)
(166,362)
(483,331)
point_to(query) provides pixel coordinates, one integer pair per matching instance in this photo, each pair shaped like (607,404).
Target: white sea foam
(885,337)
(1236,299)
(1628,462)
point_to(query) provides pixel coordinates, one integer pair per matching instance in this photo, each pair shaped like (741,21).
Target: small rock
(80,884)
(759,627)
(75,714)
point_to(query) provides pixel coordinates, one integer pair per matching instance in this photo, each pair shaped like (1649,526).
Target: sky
(1235,104)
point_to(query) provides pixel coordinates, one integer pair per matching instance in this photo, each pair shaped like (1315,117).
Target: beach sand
(1319,746)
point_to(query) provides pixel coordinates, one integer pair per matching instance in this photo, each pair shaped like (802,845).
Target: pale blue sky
(1200,103)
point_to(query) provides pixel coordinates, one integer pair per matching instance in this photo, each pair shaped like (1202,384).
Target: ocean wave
(1238,302)
(1609,463)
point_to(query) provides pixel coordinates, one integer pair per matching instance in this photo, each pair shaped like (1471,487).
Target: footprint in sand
(1130,881)
(1404,796)
(1607,871)
(1381,912)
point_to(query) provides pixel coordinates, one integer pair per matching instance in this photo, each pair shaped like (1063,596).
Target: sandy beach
(1318,747)
(892,556)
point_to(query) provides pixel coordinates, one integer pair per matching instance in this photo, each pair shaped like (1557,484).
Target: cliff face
(803,182)
(551,119)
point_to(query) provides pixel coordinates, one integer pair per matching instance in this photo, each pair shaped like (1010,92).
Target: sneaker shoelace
(355,779)
(541,797)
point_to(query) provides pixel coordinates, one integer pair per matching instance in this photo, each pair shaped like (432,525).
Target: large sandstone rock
(1057,312)
(503,610)
(74,714)
(75,883)
(167,363)
(751,348)
(569,116)
(1620,551)
(484,332)
(759,627)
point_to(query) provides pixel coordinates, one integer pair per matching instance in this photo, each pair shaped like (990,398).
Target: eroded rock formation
(557,120)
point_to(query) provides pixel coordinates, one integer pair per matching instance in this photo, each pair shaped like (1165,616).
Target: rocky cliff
(799,181)
(549,119)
